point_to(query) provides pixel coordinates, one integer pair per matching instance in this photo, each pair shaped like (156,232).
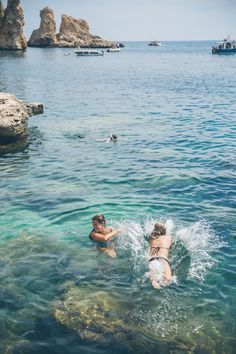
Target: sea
(173,110)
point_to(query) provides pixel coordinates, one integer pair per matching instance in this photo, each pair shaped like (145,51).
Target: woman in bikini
(159,266)
(103,235)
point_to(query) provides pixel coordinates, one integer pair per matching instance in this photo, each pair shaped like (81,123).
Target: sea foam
(196,242)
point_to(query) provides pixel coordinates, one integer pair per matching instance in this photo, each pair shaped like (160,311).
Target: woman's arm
(103,238)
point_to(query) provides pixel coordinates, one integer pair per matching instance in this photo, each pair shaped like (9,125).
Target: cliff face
(11,26)
(1,11)
(45,35)
(73,32)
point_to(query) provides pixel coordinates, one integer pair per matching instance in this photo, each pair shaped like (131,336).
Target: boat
(113,49)
(227,46)
(86,52)
(119,44)
(155,43)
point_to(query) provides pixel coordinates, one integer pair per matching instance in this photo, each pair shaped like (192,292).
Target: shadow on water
(32,140)
(12,54)
(7,146)
(74,136)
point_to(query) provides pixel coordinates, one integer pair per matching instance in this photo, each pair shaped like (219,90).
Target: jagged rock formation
(45,35)
(14,116)
(1,11)
(11,26)
(73,33)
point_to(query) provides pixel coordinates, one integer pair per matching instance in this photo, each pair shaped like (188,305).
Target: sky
(144,20)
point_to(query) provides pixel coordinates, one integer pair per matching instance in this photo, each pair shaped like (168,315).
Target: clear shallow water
(173,109)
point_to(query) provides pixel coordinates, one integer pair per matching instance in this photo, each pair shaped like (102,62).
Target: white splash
(132,238)
(200,241)
(196,241)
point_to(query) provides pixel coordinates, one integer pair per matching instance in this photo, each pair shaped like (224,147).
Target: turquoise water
(173,109)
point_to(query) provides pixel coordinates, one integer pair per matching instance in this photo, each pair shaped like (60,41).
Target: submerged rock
(26,284)
(14,116)
(91,313)
(98,317)
(11,26)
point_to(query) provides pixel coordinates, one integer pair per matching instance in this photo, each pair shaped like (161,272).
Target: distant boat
(155,43)
(113,49)
(227,46)
(119,44)
(88,52)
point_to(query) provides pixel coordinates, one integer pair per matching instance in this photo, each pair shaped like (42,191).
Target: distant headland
(72,33)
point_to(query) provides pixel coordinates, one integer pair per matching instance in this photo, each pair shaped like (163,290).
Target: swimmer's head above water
(113,137)
(99,222)
(158,230)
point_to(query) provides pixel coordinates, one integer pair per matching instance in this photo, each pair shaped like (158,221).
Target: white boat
(155,43)
(86,52)
(227,46)
(113,49)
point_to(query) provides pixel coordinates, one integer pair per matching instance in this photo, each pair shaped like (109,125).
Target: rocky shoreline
(72,33)
(14,115)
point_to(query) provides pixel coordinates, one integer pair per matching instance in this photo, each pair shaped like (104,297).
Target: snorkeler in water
(103,235)
(113,137)
(159,267)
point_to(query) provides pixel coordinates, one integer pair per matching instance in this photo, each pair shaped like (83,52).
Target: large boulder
(14,116)
(11,26)
(45,35)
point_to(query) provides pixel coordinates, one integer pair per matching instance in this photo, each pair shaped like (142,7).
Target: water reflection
(12,54)
(30,141)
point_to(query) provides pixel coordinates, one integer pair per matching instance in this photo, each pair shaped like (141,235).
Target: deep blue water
(173,109)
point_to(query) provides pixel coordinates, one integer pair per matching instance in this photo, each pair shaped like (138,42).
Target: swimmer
(113,137)
(159,267)
(103,235)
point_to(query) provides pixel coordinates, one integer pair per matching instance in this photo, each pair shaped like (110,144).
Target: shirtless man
(103,235)
(159,266)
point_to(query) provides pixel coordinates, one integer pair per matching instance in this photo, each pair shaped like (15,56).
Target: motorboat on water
(155,43)
(87,52)
(227,46)
(113,49)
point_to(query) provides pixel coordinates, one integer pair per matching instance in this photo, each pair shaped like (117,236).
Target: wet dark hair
(100,218)
(159,230)
(114,137)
